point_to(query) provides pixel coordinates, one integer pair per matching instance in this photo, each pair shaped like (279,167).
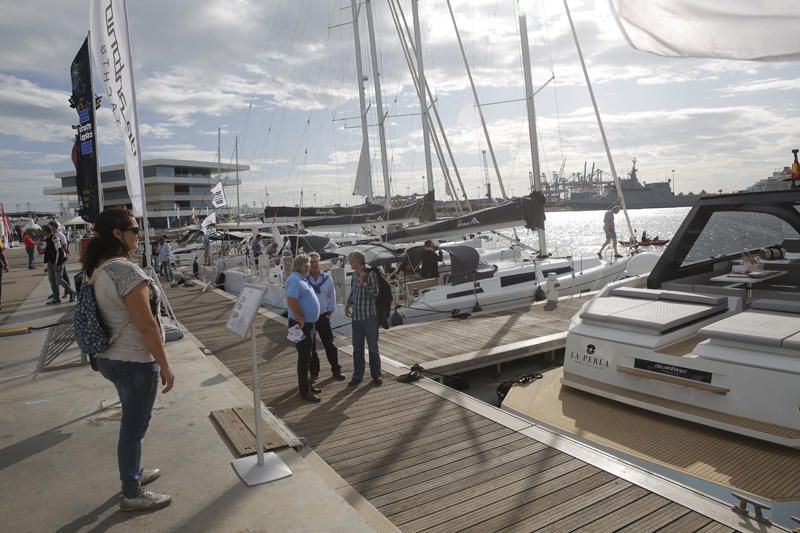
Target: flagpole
(100,200)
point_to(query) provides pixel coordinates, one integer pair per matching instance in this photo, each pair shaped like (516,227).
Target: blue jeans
(30,257)
(366,330)
(166,269)
(137,385)
(56,280)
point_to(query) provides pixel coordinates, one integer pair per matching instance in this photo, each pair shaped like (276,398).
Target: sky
(281,75)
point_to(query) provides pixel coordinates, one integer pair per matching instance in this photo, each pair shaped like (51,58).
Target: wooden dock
(432,459)
(457,345)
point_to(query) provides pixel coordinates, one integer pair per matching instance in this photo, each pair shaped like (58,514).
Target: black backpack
(383,303)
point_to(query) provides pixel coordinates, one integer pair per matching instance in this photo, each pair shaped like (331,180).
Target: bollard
(552,288)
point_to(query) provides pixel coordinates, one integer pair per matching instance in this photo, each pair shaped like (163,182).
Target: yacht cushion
(634,292)
(662,316)
(770,304)
(752,327)
(793,342)
(600,309)
(693,298)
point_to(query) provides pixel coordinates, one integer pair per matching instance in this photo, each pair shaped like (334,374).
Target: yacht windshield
(730,232)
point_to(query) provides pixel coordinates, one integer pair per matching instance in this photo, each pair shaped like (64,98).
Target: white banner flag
(218,198)
(111,52)
(210,220)
(763,30)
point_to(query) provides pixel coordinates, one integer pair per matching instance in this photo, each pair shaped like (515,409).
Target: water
(580,233)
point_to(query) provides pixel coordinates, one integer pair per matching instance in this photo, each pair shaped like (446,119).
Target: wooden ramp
(741,463)
(457,345)
(429,463)
(237,424)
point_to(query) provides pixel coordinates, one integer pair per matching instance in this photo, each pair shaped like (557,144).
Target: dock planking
(484,339)
(426,463)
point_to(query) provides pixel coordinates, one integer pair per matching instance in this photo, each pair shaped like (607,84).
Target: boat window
(514,279)
(728,233)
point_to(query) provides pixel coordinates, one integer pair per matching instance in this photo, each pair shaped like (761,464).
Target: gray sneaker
(147,500)
(148,476)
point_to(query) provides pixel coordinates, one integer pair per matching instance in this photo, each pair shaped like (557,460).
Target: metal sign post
(261,468)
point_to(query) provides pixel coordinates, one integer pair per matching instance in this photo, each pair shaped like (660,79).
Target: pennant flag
(210,220)
(218,198)
(760,30)
(111,51)
(84,150)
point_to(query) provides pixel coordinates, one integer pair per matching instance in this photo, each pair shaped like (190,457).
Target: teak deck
(741,463)
(427,463)
(484,339)
(238,426)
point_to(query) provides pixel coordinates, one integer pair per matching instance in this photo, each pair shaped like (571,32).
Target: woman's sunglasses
(135,229)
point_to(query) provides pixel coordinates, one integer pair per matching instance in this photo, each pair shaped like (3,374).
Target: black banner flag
(84,152)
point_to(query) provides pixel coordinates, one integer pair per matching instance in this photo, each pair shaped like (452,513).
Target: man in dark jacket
(430,261)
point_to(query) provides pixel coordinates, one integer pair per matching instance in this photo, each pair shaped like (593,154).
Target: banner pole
(257,396)
(100,200)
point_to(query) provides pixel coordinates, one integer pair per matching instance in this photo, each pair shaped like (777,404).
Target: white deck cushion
(771,304)
(661,316)
(763,328)
(635,292)
(693,298)
(599,309)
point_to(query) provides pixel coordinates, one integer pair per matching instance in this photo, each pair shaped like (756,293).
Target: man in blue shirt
(364,291)
(303,311)
(322,284)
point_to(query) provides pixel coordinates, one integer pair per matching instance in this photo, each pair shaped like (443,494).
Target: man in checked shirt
(361,307)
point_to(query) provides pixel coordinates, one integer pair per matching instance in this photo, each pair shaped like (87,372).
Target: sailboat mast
(387,202)
(238,208)
(526,69)
(361,96)
(423,104)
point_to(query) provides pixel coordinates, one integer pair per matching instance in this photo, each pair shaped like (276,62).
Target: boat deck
(738,462)
(484,339)
(433,459)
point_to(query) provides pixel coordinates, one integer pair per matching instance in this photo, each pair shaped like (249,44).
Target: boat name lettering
(324,212)
(593,361)
(672,370)
(471,222)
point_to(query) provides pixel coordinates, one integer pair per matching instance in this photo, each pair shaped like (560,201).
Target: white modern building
(172,186)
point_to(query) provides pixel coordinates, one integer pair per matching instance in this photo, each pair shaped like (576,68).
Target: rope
(416,371)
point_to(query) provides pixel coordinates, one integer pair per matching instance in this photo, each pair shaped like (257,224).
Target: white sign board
(245,309)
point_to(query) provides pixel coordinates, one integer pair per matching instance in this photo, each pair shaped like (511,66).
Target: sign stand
(261,468)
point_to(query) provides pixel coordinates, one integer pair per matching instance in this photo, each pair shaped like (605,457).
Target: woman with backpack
(128,305)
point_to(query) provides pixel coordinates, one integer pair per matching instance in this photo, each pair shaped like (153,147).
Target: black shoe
(50,297)
(599,256)
(377,381)
(315,390)
(314,378)
(339,377)
(51,302)
(353,382)
(310,398)
(72,297)
(617,255)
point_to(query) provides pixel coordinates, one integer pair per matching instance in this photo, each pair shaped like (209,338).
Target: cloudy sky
(281,75)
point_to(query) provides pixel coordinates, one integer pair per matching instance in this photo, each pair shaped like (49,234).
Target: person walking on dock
(323,286)
(361,306)
(55,257)
(128,303)
(3,268)
(303,312)
(206,249)
(165,259)
(611,233)
(61,240)
(30,247)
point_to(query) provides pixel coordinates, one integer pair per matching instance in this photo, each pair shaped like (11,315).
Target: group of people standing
(311,299)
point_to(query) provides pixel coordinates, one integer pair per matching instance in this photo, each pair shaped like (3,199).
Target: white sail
(761,30)
(363,185)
